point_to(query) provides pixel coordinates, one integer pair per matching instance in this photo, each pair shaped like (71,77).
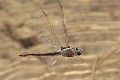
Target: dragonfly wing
(45,30)
(54,62)
(58,64)
(63,64)
(74,60)
(57,20)
(56,37)
(62,33)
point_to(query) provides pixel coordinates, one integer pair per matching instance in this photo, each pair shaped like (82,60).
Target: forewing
(62,26)
(45,30)
(57,36)
(59,24)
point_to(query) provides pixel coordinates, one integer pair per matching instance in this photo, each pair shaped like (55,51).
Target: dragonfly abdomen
(24,54)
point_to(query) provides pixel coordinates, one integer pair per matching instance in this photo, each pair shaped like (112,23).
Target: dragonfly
(56,38)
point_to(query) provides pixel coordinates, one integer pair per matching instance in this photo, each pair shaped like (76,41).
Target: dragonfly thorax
(70,52)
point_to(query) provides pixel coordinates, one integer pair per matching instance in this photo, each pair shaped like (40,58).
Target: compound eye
(78,51)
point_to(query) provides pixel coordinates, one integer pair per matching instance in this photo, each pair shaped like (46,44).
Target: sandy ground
(92,25)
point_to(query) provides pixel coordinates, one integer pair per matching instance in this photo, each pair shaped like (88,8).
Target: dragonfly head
(78,51)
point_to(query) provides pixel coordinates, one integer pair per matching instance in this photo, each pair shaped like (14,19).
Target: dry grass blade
(104,58)
(93,69)
(96,67)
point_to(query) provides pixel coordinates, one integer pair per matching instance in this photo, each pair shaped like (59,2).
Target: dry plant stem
(97,64)
(102,60)
(93,69)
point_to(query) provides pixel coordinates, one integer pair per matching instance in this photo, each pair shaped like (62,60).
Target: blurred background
(92,25)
